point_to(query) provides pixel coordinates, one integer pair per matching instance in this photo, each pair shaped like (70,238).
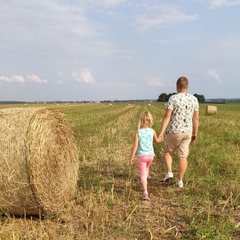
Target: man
(182,111)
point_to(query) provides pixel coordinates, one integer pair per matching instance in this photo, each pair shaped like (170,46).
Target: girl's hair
(145,120)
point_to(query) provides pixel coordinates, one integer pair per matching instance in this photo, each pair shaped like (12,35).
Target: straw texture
(211,110)
(38,161)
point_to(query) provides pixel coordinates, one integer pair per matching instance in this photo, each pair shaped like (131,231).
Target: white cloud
(53,25)
(20,79)
(17,79)
(220,3)
(105,3)
(164,41)
(61,74)
(14,79)
(60,82)
(119,85)
(154,82)
(222,51)
(35,78)
(84,76)
(213,74)
(4,79)
(160,16)
(63,35)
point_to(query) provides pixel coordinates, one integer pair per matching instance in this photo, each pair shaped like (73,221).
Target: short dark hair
(182,83)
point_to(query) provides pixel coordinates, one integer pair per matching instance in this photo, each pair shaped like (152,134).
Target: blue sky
(75,50)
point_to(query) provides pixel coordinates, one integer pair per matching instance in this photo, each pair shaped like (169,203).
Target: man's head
(182,84)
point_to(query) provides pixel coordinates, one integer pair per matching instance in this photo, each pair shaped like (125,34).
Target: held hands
(160,138)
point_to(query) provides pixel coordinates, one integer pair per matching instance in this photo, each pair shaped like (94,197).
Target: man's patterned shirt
(183,105)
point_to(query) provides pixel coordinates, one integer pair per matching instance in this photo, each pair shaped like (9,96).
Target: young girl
(143,145)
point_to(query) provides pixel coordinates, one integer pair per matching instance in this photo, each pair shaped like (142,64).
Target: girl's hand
(131,161)
(160,138)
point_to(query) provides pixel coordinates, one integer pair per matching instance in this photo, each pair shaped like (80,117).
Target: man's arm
(165,122)
(195,120)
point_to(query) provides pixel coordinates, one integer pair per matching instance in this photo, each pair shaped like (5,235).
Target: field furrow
(108,204)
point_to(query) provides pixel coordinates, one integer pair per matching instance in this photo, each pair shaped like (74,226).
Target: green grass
(108,205)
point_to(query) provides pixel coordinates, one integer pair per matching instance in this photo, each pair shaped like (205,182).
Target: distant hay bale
(211,110)
(38,161)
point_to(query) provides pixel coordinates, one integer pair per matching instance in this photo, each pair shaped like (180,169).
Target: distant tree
(163,97)
(170,94)
(200,98)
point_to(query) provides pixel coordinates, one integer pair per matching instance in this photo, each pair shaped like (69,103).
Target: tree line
(163,97)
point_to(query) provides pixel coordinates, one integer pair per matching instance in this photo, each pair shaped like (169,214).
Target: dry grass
(38,161)
(108,203)
(211,110)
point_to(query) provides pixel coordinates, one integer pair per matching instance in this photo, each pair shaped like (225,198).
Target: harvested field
(108,202)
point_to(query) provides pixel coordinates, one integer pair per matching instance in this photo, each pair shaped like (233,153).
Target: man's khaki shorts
(178,141)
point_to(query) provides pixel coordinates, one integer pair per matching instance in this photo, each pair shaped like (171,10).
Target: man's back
(183,106)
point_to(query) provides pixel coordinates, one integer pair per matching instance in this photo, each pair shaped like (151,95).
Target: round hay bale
(211,110)
(38,161)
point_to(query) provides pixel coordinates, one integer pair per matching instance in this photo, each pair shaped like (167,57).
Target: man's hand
(194,138)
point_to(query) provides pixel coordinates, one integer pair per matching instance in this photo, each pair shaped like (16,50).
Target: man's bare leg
(182,167)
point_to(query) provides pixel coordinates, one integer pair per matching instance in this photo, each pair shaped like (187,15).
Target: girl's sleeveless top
(145,142)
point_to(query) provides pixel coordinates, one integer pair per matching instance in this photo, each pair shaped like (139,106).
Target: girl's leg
(147,167)
(144,164)
(149,161)
(143,173)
